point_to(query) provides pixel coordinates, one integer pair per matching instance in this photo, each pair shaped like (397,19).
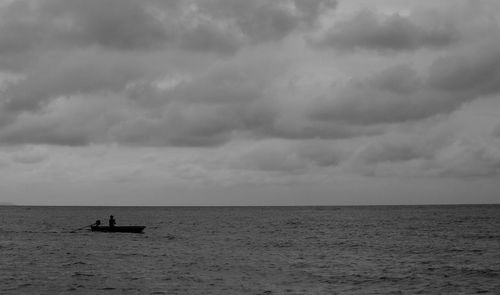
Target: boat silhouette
(118,229)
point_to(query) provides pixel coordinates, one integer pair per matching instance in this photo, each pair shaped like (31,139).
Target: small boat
(119,229)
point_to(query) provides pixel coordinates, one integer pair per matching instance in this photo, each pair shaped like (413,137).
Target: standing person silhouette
(112,221)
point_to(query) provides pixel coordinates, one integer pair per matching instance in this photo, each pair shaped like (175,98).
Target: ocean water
(252,250)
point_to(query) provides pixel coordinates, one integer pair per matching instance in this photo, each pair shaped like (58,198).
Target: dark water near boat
(252,250)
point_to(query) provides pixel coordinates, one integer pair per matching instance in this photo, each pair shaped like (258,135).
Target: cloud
(30,155)
(263,21)
(108,106)
(268,23)
(211,73)
(476,72)
(208,37)
(216,25)
(62,49)
(399,93)
(270,156)
(108,26)
(65,74)
(322,153)
(29,24)
(395,32)
(396,151)
(310,11)
(282,155)
(467,159)
(71,121)
(405,151)
(430,149)
(396,94)
(205,109)
(179,126)
(496,131)
(298,128)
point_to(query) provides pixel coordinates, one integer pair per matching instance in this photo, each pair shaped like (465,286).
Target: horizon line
(320,205)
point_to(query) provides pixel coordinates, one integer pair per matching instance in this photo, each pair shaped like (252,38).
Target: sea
(252,250)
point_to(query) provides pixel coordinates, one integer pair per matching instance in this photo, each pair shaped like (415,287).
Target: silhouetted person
(112,221)
(97,222)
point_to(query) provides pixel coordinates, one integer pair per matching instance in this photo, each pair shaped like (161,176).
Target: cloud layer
(388,32)
(311,88)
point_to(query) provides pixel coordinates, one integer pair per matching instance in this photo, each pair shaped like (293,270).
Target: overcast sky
(238,102)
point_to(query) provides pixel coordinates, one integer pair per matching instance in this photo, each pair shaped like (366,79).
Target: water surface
(252,250)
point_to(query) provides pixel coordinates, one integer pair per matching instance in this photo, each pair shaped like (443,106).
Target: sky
(237,102)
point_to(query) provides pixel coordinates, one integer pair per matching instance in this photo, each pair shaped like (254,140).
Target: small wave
(79,274)
(283,244)
(75,263)
(79,262)
(24,285)
(486,272)
(40,232)
(482,236)
(392,279)
(294,222)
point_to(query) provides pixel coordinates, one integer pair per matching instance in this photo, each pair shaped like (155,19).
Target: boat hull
(118,229)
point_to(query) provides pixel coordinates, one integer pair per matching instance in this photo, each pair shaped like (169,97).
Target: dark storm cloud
(32,156)
(63,48)
(71,121)
(241,77)
(219,26)
(392,150)
(310,10)
(231,83)
(186,125)
(46,134)
(396,94)
(191,125)
(209,38)
(400,94)
(469,160)
(17,35)
(321,153)
(81,72)
(110,23)
(413,152)
(268,23)
(157,60)
(51,23)
(305,128)
(475,72)
(262,20)
(395,32)
(174,129)
(278,155)
(496,131)
(206,110)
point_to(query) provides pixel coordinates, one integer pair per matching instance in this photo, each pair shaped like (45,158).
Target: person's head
(111,216)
